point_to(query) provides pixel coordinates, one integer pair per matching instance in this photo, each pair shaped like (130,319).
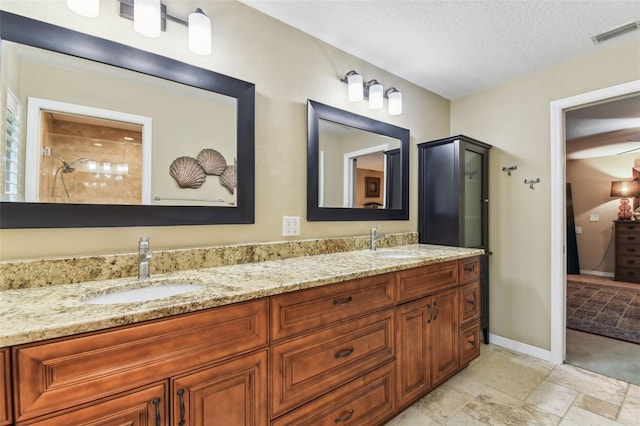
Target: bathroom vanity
(357,341)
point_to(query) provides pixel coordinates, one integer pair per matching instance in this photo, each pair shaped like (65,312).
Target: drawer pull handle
(430,313)
(631,238)
(469,268)
(631,249)
(345,418)
(343,353)
(473,342)
(156,402)
(471,302)
(343,301)
(181,395)
(435,305)
(630,261)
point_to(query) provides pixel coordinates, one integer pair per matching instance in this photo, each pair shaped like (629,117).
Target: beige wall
(287,67)
(590,186)
(514,118)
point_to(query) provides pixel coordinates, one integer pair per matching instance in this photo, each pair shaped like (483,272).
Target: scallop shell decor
(212,162)
(229,178)
(187,172)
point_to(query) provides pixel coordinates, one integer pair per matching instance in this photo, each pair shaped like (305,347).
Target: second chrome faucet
(375,237)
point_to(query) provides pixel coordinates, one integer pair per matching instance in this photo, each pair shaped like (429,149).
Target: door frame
(558,206)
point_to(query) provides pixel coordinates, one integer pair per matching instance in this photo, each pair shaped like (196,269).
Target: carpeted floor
(604,310)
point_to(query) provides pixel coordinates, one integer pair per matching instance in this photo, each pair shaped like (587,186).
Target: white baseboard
(598,273)
(520,347)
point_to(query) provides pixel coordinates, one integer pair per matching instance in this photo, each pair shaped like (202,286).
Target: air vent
(615,32)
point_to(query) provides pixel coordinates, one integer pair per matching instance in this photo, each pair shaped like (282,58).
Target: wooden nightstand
(627,251)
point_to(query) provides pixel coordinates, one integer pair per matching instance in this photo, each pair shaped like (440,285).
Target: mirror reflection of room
(354,169)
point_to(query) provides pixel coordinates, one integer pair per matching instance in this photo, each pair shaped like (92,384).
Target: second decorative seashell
(212,162)
(229,178)
(187,172)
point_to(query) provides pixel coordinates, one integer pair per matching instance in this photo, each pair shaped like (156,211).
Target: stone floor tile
(463,419)
(443,402)
(412,417)
(630,412)
(577,416)
(597,406)
(595,385)
(497,408)
(512,374)
(553,398)
(634,391)
(465,382)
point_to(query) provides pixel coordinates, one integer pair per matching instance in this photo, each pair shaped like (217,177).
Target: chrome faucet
(375,237)
(144,256)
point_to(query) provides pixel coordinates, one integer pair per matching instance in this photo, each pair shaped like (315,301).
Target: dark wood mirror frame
(316,112)
(34,33)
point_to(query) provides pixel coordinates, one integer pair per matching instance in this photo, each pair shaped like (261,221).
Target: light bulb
(395,102)
(376,95)
(199,33)
(88,8)
(354,82)
(147,17)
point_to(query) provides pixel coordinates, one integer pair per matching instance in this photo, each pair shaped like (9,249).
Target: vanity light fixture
(150,19)
(395,101)
(376,94)
(372,91)
(87,8)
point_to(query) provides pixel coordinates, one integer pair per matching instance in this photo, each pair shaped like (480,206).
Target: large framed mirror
(357,167)
(100,134)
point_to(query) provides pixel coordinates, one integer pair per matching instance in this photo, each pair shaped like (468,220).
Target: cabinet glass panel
(472,199)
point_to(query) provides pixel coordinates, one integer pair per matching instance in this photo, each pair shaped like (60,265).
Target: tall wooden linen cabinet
(453,201)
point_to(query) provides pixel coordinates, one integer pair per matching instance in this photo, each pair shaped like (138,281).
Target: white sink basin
(143,294)
(395,255)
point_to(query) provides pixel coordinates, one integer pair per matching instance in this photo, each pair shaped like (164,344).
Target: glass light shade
(147,17)
(88,8)
(624,188)
(199,33)
(376,95)
(395,103)
(356,92)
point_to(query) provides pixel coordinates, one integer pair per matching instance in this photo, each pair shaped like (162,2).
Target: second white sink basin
(143,294)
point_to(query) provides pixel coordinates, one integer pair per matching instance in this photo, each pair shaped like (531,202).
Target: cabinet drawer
(309,366)
(627,250)
(65,372)
(366,401)
(469,343)
(308,310)
(5,388)
(469,269)
(143,407)
(631,275)
(469,302)
(628,261)
(420,282)
(627,236)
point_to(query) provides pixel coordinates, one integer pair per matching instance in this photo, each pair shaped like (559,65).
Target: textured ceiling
(456,48)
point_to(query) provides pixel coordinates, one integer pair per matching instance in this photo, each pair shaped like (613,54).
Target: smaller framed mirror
(357,167)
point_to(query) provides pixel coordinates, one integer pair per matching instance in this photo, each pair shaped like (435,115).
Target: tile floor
(502,387)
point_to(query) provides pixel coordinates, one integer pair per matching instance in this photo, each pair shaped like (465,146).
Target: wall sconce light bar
(372,91)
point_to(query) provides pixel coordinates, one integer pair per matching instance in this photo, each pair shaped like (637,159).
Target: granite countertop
(34,314)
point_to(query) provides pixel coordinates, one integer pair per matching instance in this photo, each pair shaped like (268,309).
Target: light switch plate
(594,218)
(290,226)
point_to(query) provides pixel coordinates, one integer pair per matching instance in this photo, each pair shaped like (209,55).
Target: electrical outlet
(290,226)
(578,229)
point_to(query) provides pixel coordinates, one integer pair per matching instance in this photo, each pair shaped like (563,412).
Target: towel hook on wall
(509,169)
(531,182)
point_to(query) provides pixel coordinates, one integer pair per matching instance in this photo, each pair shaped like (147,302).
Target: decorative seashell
(187,172)
(229,178)
(212,162)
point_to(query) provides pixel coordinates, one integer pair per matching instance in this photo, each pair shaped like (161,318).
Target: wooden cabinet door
(413,353)
(232,393)
(444,335)
(5,388)
(142,407)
